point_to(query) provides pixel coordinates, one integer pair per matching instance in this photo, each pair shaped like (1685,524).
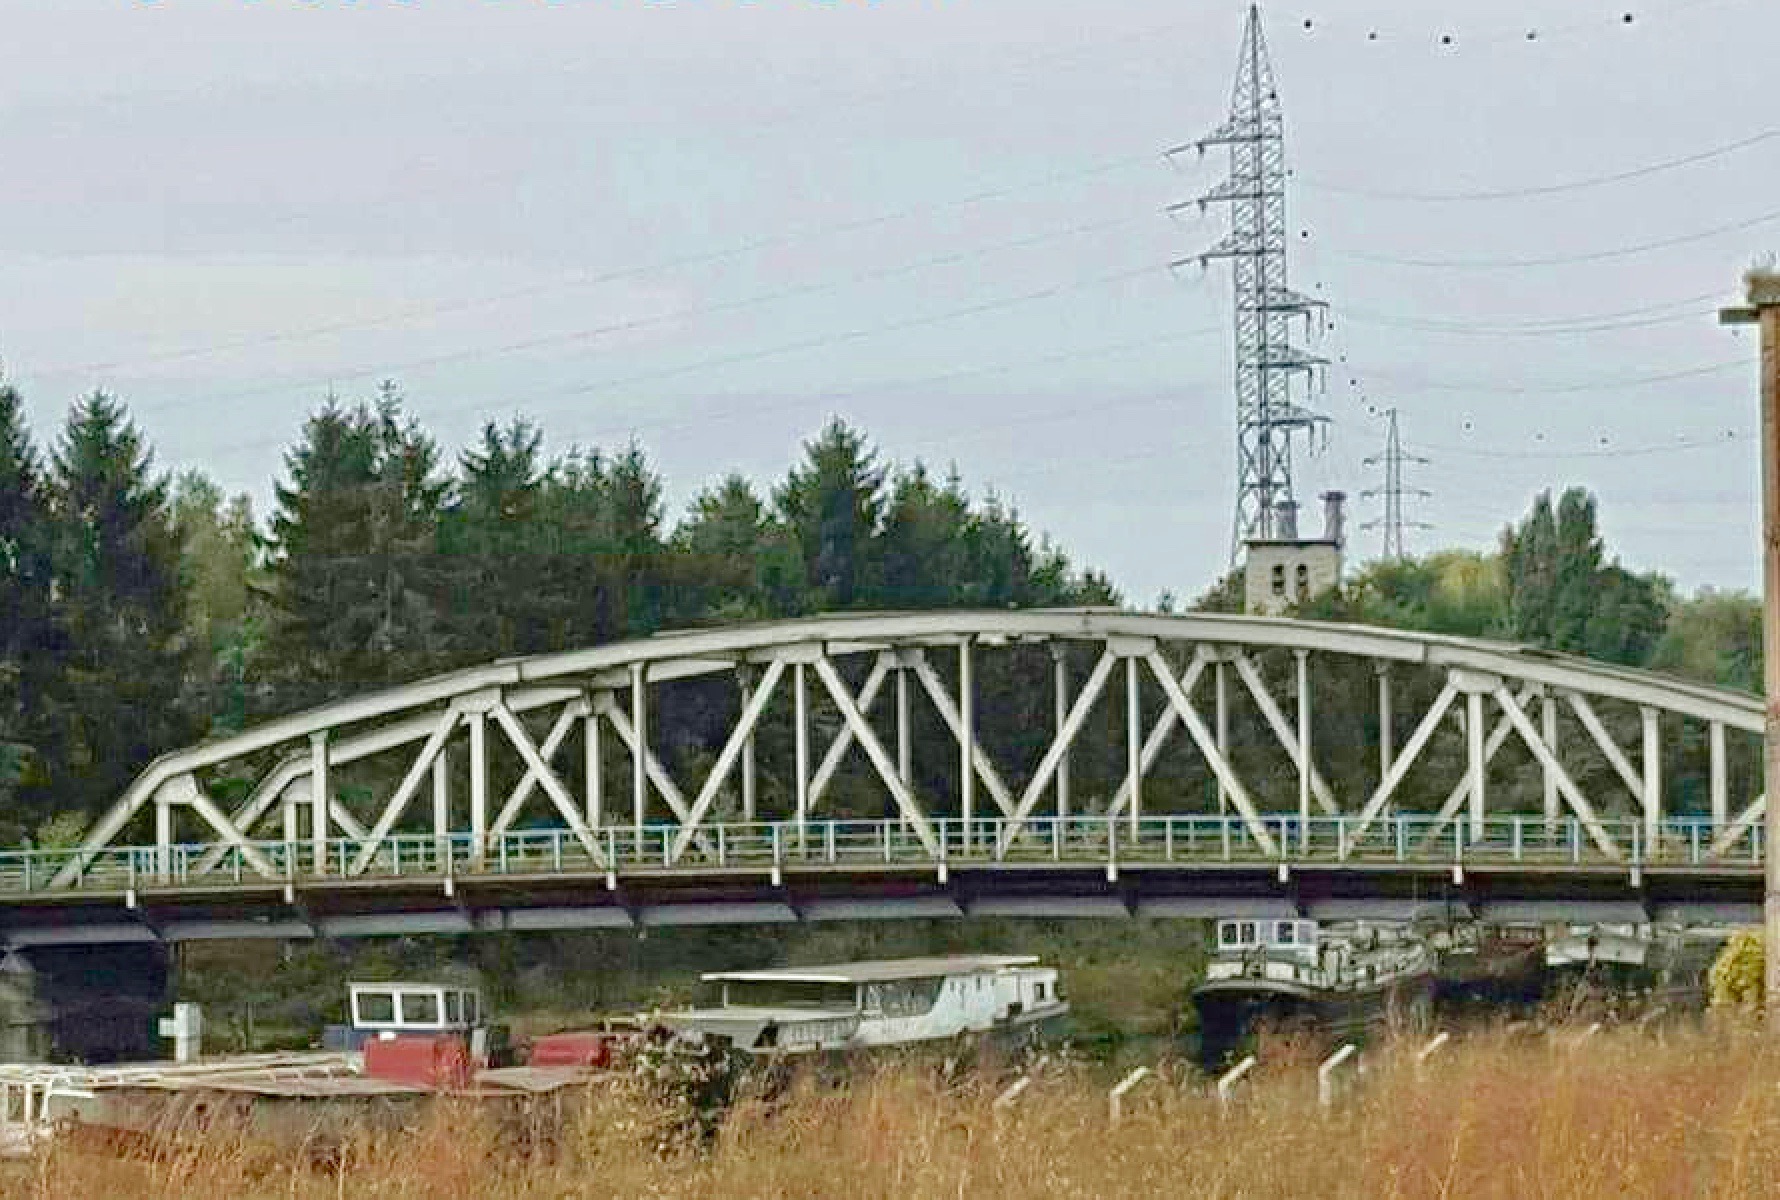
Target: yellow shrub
(1737,973)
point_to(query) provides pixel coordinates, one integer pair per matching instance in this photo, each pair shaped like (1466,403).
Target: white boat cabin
(884,1003)
(1297,952)
(387,1010)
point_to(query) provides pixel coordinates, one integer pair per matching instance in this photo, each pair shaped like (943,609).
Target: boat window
(378,1007)
(1248,936)
(472,1007)
(1285,932)
(420,1008)
(793,993)
(454,1007)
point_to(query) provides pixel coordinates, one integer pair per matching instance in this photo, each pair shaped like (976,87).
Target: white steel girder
(1202,737)
(547,778)
(843,740)
(868,740)
(1548,759)
(948,712)
(529,782)
(1157,739)
(1412,750)
(726,759)
(1288,739)
(1047,766)
(392,811)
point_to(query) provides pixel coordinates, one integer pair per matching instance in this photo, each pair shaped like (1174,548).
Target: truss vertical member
(1762,307)
(1267,418)
(1392,521)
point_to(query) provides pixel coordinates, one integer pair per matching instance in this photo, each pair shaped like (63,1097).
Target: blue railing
(864,845)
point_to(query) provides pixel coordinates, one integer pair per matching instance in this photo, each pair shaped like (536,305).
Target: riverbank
(1558,1112)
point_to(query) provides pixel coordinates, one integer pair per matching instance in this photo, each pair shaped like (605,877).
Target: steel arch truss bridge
(918,763)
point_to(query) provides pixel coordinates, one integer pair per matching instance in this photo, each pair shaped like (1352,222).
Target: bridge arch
(1592,736)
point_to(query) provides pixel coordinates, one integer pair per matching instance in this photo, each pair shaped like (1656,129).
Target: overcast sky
(711,225)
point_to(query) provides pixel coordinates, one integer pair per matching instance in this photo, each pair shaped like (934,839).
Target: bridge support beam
(320,793)
(1060,706)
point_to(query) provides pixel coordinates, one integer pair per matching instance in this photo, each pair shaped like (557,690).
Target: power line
(586,280)
(632,325)
(1599,385)
(1551,189)
(613,385)
(1498,264)
(1729,437)
(1459,329)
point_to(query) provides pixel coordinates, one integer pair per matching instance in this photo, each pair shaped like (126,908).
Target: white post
(1431,1049)
(749,803)
(163,839)
(442,803)
(319,791)
(1653,780)
(1303,657)
(1325,1074)
(1231,1078)
(1386,730)
(1548,723)
(800,695)
(478,722)
(1133,743)
(639,759)
(593,768)
(905,746)
(1223,729)
(1474,743)
(1013,1092)
(1060,669)
(967,740)
(1720,792)
(1115,1102)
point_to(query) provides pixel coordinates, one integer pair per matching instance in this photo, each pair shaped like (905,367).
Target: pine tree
(355,574)
(494,546)
(30,646)
(833,504)
(122,607)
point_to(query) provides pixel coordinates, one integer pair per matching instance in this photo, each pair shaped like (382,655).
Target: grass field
(1687,1112)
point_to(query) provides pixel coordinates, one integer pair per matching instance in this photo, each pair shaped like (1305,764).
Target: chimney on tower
(1334,517)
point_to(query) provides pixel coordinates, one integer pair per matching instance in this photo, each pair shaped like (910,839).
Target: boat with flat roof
(888,1002)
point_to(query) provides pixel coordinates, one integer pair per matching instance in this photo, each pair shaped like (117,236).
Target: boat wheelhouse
(883,1003)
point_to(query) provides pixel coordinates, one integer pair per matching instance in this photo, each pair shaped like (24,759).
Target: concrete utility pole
(1763,307)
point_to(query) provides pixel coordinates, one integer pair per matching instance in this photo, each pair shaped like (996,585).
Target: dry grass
(1621,1114)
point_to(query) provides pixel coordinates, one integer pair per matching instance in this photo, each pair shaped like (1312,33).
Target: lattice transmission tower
(1267,416)
(1394,490)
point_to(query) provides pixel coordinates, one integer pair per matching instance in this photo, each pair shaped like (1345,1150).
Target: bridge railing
(1161,841)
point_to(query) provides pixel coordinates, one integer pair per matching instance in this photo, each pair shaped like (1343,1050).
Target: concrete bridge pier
(85,1003)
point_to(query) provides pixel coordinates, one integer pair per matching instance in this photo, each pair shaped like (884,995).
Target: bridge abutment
(82,1003)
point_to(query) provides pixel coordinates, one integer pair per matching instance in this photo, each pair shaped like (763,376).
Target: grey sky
(940,218)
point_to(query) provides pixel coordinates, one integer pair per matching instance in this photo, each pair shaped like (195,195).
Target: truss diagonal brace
(553,787)
(843,741)
(202,805)
(1047,766)
(1746,820)
(1578,803)
(1288,737)
(559,732)
(664,783)
(392,812)
(1381,796)
(868,740)
(948,712)
(1461,791)
(726,759)
(1159,733)
(1633,780)
(1239,798)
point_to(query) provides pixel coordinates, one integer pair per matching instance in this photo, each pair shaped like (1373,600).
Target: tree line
(142,610)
